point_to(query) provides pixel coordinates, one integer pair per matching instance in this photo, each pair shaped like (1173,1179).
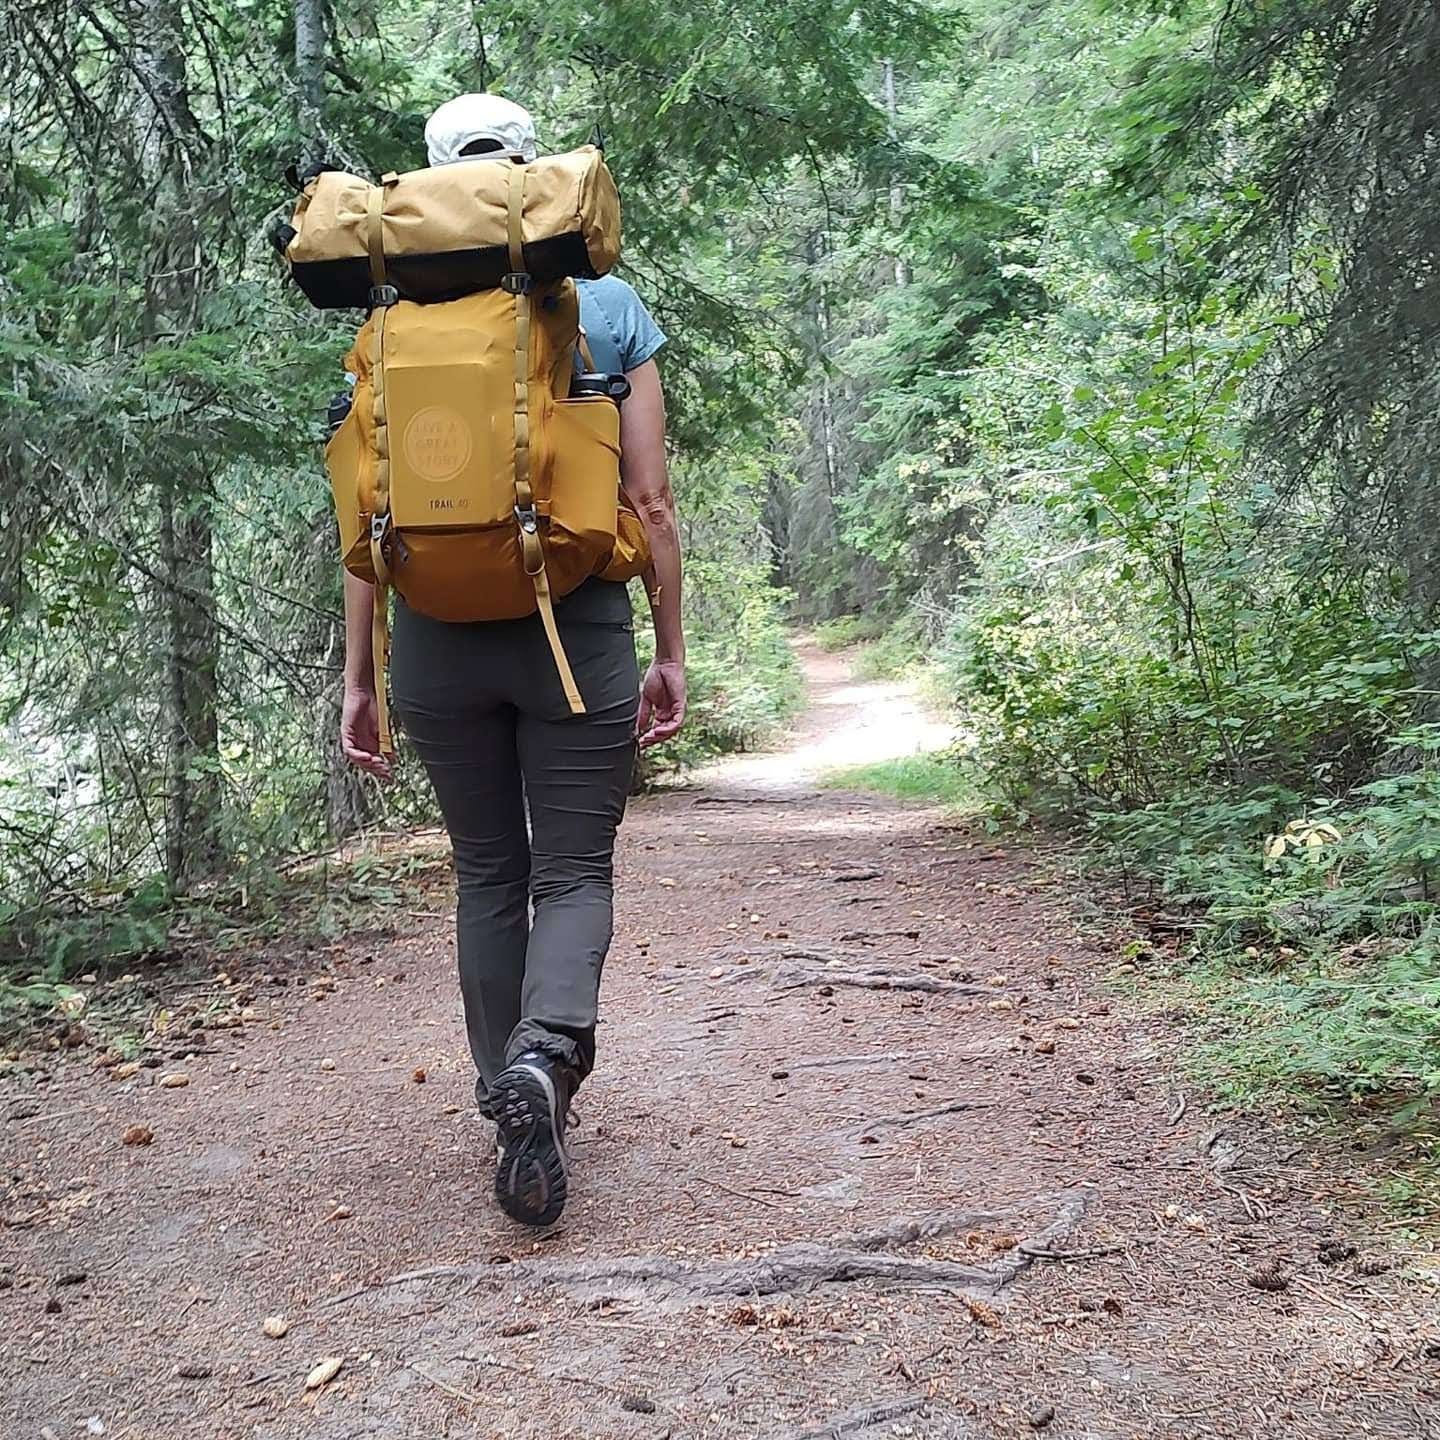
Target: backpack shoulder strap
(520,283)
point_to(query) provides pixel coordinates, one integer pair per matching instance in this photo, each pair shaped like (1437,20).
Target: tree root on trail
(800,1265)
(792,977)
(756,799)
(912,1230)
(862,968)
(854,1420)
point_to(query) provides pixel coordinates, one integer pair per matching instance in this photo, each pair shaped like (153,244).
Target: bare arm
(359,714)
(644,474)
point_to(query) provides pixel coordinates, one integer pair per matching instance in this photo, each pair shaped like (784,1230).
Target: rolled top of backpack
(444,232)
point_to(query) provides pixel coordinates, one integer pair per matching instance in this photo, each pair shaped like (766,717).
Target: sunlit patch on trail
(847,724)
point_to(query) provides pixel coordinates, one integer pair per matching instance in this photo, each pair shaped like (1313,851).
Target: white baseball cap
(467,118)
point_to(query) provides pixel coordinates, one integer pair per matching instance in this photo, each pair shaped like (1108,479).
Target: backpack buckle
(517,282)
(529,520)
(382,295)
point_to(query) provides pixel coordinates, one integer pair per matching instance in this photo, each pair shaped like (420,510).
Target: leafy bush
(742,677)
(1323,921)
(1160,643)
(52,945)
(903,647)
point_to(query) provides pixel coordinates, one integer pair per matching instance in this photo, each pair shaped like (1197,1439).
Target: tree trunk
(897,193)
(347,801)
(171,147)
(310,78)
(827,408)
(193,846)
(482,58)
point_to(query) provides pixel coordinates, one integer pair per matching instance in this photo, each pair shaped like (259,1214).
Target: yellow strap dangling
(546,607)
(380,649)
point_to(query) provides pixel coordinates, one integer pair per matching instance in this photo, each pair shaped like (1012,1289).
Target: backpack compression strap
(382,297)
(519,283)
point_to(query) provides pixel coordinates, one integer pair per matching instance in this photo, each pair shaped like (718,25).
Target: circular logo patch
(437,442)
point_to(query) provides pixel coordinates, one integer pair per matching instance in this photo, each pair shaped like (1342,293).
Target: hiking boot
(531,1100)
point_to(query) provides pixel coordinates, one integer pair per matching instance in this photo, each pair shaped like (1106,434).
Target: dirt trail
(845,722)
(871,1151)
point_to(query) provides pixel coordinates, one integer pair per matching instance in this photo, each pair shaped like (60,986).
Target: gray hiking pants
(483,706)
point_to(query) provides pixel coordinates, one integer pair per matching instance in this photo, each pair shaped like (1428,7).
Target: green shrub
(741,672)
(1320,923)
(901,648)
(846,630)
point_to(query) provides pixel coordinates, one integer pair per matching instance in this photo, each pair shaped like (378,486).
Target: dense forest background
(1083,353)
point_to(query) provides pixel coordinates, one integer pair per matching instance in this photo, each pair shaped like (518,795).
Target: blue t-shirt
(621,332)
(622,336)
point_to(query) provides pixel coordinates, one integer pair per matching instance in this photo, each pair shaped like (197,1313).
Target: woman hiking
(484,707)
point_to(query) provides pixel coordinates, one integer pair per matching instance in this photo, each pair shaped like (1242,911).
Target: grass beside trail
(114,979)
(932,779)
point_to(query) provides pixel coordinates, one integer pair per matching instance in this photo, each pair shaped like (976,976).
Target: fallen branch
(863,935)
(828,1061)
(919,1117)
(862,1419)
(1168,922)
(1029,1248)
(797,1266)
(24,1113)
(449,1389)
(817,951)
(1254,1209)
(741,1194)
(1300,1283)
(529,1371)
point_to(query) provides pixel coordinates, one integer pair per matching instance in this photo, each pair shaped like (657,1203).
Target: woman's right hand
(662,703)
(360,730)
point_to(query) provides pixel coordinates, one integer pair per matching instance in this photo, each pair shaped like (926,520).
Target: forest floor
(877,1146)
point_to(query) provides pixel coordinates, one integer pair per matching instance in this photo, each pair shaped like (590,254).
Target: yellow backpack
(466,475)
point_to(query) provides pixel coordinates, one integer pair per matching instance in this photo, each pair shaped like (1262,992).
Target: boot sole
(531,1180)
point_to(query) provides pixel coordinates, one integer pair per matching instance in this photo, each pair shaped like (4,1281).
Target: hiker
(485,710)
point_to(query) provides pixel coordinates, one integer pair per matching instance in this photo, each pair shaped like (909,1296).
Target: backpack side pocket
(344,457)
(582,457)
